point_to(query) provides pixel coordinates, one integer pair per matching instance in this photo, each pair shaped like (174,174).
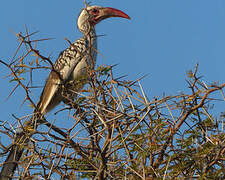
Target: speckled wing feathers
(69,58)
(65,64)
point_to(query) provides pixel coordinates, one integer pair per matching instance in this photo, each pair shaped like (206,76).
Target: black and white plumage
(70,73)
(68,76)
(73,64)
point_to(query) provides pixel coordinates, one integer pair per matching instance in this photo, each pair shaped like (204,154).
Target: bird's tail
(20,142)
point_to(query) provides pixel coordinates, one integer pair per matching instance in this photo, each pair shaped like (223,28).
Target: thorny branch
(115,131)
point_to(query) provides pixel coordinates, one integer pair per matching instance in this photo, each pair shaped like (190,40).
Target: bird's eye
(94,11)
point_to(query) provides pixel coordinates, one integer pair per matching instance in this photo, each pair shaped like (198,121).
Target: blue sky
(164,39)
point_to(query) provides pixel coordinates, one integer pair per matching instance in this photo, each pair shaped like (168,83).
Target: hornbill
(69,74)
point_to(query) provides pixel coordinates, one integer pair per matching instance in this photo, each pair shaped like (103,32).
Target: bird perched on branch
(70,72)
(73,64)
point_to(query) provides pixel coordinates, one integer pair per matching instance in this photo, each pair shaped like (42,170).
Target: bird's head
(92,15)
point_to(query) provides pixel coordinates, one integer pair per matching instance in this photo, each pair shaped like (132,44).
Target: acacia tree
(116,132)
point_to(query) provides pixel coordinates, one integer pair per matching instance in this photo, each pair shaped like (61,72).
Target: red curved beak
(108,12)
(112,12)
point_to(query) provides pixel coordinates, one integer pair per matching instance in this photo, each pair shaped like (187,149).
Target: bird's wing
(48,93)
(64,66)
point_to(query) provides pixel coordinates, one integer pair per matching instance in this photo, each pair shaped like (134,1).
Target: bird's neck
(91,38)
